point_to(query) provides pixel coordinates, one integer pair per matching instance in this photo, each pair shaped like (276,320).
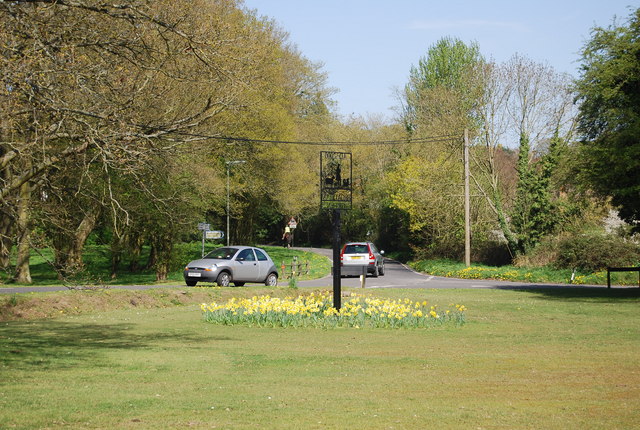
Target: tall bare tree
(528,103)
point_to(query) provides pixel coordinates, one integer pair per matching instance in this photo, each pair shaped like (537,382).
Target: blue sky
(369,46)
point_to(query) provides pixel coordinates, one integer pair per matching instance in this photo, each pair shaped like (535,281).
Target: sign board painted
(336,185)
(214,234)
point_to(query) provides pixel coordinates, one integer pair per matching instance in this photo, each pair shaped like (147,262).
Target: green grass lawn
(540,359)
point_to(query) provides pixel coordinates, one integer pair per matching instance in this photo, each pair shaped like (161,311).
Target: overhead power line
(429,139)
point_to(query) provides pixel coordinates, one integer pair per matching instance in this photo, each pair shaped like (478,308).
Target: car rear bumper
(356,269)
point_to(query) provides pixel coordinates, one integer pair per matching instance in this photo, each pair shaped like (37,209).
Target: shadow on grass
(55,344)
(580,293)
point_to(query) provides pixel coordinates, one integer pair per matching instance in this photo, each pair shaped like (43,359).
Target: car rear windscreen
(356,249)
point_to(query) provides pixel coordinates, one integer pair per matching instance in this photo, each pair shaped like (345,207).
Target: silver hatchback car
(233,264)
(357,258)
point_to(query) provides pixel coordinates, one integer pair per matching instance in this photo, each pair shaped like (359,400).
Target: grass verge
(546,358)
(98,267)
(454,269)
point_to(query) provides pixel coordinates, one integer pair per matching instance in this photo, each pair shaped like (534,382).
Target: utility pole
(467,203)
(229,164)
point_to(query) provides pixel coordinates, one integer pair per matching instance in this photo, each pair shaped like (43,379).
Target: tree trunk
(83,231)
(7,225)
(135,249)
(7,221)
(23,273)
(493,196)
(116,255)
(69,255)
(161,272)
(512,242)
(164,248)
(153,256)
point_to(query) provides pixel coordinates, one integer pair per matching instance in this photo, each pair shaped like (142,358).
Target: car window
(246,255)
(222,253)
(356,249)
(373,248)
(261,256)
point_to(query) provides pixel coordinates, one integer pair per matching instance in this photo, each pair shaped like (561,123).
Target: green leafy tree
(442,98)
(105,88)
(434,103)
(103,98)
(443,83)
(609,94)
(422,188)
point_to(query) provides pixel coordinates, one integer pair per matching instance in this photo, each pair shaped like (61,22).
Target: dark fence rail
(295,268)
(621,269)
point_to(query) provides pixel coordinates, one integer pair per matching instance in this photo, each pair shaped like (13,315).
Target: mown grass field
(540,359)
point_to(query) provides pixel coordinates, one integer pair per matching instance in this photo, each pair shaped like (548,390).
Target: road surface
(398,275)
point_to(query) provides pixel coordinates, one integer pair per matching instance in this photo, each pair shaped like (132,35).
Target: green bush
(593,252)
(492,253)
(185,252)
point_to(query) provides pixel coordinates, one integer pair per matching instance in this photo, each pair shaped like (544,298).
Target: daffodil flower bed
(316,310)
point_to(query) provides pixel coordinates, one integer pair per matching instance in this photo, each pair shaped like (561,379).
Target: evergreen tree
(533,214)
(609,95)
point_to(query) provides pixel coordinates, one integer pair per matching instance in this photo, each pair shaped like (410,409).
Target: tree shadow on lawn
(57,344)
(580,293)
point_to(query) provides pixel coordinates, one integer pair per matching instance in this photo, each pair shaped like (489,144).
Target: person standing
(286,237)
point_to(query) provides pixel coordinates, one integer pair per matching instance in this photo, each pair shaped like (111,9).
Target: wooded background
(117,122)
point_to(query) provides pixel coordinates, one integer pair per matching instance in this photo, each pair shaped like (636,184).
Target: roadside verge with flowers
(455,269)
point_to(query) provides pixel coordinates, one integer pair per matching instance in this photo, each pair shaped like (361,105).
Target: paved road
(396,276)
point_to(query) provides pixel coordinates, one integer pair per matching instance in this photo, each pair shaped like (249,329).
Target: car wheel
(224,279)
(375,271)
(272,280)
(238,284)
(191,283)
(382,270)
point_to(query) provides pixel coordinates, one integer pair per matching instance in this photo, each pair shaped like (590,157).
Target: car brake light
(371,257)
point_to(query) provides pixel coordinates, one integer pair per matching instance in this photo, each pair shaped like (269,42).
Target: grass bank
(98,266)
(547,358)
(454,269)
